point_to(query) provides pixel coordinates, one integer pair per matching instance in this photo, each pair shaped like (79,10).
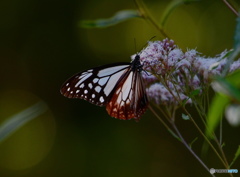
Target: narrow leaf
(195,92)
(237,154)
(236,48)
(234,78)
(185,117)
(174,135)
(193,141)
(215,112)
(173,5)
(16,121)
(223,86)
(117,18)
(192,94)
(237,34)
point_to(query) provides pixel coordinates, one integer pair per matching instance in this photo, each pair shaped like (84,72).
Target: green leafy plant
(176,79)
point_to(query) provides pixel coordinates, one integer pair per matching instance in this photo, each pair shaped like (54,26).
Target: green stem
(219,142)
(161,120)
(189,148)
(146,15)
(206,139)
(179,136)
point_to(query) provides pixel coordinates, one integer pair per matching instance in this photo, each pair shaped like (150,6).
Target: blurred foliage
(42,45)
(227,87)
(117,18)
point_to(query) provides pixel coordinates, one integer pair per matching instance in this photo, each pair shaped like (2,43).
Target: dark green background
(41,45)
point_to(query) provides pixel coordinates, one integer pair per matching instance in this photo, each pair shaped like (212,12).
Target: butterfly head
(136,64)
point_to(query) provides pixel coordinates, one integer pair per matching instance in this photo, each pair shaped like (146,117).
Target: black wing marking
(129,99)
(95,85)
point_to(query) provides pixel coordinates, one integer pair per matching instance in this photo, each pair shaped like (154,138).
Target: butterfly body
(117,86)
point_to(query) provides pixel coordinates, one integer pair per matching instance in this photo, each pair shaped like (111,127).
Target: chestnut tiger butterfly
(118,86)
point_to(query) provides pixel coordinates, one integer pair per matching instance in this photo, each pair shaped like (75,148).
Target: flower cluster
(171,74)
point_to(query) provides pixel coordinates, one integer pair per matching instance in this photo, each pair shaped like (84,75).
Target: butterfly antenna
(135,45)
(148,41)
(145,43)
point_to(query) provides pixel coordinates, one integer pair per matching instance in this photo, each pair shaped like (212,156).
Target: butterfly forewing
(95,85)
(117,86)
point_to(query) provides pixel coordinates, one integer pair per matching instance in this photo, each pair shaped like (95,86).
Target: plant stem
(218,142)
(230,7)
(189,148)
(166,126)
(146,15)
(206,139)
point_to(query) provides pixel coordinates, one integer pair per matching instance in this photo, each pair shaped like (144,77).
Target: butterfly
(118,86)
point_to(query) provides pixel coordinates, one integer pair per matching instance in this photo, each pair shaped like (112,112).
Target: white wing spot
(68,89)
(82,79)
(101,99)
(97,89)
(109,71)
(93,95)
(67,84)
(90,85)
(95,80)
(126,88)
(71,92)
(82,85)
(85,91)
(122,104)
(77,91)
(103,81)
(112,81)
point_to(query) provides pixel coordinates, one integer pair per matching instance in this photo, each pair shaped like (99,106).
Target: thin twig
(179,136)
(205,138)
(165,125)
(189,148)
(145,14)
(230,7)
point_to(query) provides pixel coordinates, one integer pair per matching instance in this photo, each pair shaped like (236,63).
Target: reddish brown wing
(129,99)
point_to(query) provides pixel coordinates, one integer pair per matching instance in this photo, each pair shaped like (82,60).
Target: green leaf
(185,117)
(234,78)
(173,5)
(193,141)
(16,121)
(228,90)
(228,54)
(215,112)
(192,94)
(237,34)
(223,86)
(174,135)
(237,154)
(117,18)
(236,48)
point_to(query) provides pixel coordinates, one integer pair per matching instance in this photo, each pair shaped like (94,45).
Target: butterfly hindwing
(129,99)
(95,85)
(117,86)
